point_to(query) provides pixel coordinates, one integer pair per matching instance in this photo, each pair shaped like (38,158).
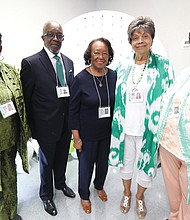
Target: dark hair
(87,54)
(141,22)
(0,39)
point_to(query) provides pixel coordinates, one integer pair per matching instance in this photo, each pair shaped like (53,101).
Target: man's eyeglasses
(52,36)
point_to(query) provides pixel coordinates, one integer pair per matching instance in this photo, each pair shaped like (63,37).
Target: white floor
(31,208)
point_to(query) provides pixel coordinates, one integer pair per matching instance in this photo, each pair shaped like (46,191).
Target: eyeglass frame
(50,35)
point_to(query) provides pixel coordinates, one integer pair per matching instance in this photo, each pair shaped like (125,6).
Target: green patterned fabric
(160,76)
(9,132)
(182,86)
(8,199)
(14,133)
(12,78)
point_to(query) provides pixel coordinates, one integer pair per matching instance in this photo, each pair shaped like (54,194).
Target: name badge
(103,112)
(62,91)
(173,112)
(7,109)
(135,96)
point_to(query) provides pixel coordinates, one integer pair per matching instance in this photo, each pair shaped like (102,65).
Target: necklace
(140,78)
(99,80)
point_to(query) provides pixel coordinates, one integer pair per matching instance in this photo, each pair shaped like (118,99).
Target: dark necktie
(59,70)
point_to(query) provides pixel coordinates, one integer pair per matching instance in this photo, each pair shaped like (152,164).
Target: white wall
(21,23)
(102,23)
(172,21)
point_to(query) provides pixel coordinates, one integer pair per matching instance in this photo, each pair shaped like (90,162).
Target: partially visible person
(142,80)
(90,114)
(14,134)
(46,78)
(174,137)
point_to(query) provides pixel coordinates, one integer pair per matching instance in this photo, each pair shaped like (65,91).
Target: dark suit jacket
(46,113)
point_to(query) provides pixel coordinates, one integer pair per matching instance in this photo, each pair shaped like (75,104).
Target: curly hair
(87,54)
(145,23)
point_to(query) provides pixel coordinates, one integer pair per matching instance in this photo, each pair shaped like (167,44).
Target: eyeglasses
(52,36)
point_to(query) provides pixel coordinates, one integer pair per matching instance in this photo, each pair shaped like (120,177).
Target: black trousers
(93,153)
(53,158)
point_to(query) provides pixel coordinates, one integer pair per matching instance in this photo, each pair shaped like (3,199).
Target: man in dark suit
(47,100)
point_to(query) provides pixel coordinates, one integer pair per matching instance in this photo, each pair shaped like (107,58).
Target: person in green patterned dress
(142,79)
(14,134)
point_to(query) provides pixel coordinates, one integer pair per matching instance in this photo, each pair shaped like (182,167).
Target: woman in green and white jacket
(142,79)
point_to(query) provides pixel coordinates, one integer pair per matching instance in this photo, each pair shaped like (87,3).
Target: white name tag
(7,109)
(62,91)
(103,112)
(135,96)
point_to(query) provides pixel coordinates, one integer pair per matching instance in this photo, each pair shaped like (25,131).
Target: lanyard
(97,90)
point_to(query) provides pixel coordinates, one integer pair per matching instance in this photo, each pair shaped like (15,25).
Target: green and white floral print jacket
(160,76)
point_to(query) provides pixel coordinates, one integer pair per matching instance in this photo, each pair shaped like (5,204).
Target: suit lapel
(46,62)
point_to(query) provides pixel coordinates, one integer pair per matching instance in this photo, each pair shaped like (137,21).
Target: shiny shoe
(86,205)
(141,208)
(102,195)
(68,192)
(49,207)
(125,204)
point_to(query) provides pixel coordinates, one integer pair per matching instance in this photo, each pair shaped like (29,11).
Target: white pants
(132,149)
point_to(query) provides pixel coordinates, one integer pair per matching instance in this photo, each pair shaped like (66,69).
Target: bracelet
(78,142)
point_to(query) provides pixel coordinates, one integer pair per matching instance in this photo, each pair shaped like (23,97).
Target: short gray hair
(145,23)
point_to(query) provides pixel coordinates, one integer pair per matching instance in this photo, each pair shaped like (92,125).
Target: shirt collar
(50,54)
